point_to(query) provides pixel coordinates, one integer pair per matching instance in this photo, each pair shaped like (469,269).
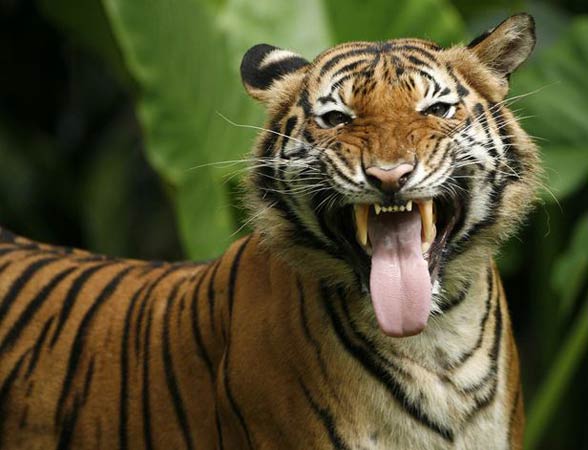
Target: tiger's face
(395,164)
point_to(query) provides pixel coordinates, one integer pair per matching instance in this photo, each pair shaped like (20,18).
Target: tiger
(364,310)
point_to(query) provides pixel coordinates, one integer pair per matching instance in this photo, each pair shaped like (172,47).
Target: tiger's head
(394,165)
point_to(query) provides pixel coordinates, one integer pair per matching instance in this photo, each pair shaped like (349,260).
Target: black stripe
(445,91)
(485,400)
(462,91)
(168,366)
(88,379)
(482,118)
(37,347)
(10,379)
(236,410)
(70,297)
(144,303)
(329,64)
(19,248)
(68,426)
(414,48)
(5,389)
(211,294)
(326,418)
(226,381)
(379,372)
(77,347)
(21,281)
(419,62)
(146,407)
(290,125)
(447,306)
(349,67)
(489,294)
(219,432)
(288,128)
(301,236)
(306,329)
(124,371)
(4,266)
(233,274)
(326,99)
(342,175)
(369,346)
(195,314)
(27,315)
(510,150)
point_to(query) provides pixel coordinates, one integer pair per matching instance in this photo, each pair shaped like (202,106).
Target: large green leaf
(570,269)
(556,81)
(374,20)
(185,61)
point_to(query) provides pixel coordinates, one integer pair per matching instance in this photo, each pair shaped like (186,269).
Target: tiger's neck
(318,335)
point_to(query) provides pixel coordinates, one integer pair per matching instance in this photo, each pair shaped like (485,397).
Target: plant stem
(553,388)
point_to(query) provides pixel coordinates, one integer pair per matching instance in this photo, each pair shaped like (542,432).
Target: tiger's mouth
(404,243)
(438,219)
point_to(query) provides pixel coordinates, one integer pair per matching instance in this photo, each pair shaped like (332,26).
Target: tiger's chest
(432,416)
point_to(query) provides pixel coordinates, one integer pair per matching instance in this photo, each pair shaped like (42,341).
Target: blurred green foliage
(90,87)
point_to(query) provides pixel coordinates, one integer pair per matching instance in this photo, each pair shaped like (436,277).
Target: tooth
(361,219)
(409,205)
(426,245)
(401,208)
(378,209)
(428,230)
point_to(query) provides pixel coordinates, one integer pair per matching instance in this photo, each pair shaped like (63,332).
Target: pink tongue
(400,283)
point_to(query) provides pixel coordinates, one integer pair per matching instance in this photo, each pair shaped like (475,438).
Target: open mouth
(405,243)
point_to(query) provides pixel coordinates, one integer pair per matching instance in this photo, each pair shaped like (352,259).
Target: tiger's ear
(266,70)
(505,47)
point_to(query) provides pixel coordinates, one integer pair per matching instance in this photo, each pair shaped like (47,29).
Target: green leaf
(558,114)
(566,170)
(374,20)
(185,61)
(570,269)
(546,402)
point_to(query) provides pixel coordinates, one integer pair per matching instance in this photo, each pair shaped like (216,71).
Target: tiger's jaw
(401,248)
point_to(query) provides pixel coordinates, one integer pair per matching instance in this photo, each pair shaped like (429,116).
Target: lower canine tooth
(361,218)
(409,205)
(378,209)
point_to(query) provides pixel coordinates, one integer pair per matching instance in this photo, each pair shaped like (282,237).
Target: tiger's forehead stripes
(379,68)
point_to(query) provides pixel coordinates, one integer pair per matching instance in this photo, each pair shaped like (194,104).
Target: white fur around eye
(320,111)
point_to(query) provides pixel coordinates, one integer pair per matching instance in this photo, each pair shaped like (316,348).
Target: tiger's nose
(389,180)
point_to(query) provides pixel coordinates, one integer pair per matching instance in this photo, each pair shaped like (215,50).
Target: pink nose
(390,180)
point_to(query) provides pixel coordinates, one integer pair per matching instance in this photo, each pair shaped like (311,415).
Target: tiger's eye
(334,118)
(439,109)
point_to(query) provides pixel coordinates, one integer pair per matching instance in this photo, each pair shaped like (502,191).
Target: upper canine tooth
(361,213)
(427,230)
(378,209)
